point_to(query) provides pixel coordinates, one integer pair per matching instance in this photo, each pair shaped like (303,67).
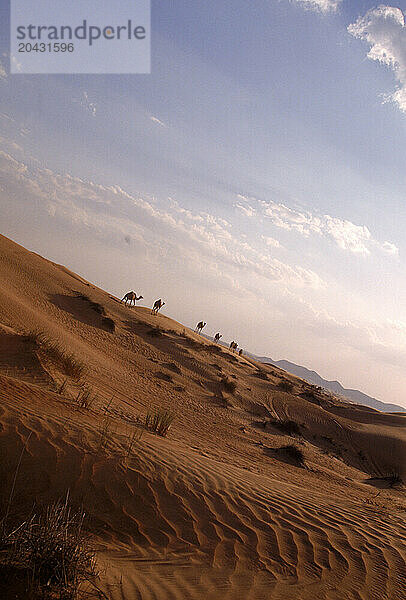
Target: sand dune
(215,509)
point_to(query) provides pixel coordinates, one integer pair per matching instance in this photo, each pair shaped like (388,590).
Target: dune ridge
(209,511)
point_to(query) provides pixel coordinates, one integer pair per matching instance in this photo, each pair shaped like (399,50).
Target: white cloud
(114,214)
(345,234)
(323,6)
(248,211)
(9,145)
(270,241)
(158,121)
(384,29)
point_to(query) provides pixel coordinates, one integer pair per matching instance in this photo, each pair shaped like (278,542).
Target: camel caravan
(131,298)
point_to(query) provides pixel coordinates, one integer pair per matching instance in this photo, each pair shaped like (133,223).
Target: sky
(254,180)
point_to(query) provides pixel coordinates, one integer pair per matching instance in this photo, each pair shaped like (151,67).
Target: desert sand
(215,509)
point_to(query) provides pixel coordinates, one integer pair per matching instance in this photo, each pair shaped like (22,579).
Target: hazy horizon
(254,180)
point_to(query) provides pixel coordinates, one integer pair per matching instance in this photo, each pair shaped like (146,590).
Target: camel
(158,304)
(200,326)
(131,297)
(217,337)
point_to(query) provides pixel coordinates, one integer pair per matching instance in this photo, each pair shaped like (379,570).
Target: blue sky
(255,180)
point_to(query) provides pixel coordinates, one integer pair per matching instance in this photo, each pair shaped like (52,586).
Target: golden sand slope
(214,510)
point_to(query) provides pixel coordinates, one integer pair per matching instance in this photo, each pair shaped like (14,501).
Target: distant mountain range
(333,386)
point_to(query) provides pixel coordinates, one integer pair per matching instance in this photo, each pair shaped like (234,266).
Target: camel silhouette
(217,337)
(200,326)
(158,304)
(131,297)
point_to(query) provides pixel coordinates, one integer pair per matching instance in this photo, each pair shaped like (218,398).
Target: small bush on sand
(159,421)
(50,552)
(65,361)
(285,385)
(229,385)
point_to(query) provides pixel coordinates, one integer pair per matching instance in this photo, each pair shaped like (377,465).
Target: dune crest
(215,509)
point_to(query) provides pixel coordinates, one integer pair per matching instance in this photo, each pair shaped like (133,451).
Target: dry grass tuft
(85,398)
(159,421)
(56,354)
(49,553)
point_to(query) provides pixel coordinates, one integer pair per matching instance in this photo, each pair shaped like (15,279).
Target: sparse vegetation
(56,354)
(85,397)
(48,554)
(104,432)
(133,440)
(285,386)
(62,387)
(229,385)
(159,421)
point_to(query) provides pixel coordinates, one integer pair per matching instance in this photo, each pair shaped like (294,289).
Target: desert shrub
(71,366)
(229,385)
(51,552)
(159,421)
(56,354)
(285,385)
